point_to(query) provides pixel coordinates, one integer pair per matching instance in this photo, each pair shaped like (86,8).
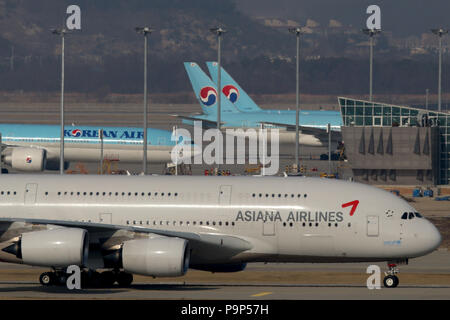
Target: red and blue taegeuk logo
(231,92)
(76,133)
(208,96)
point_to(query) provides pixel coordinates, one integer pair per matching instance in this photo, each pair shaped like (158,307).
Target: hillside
(106,56)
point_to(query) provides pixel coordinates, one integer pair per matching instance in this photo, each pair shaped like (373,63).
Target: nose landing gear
(391,280)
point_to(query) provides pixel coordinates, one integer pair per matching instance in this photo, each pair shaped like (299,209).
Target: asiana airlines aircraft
(161,226)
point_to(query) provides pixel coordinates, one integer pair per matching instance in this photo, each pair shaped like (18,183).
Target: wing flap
(318,132)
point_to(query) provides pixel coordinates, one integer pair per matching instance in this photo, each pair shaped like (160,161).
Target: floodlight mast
(298,32)
(145,31)
(440,32)
(61,32)
(219,31)
(371,33)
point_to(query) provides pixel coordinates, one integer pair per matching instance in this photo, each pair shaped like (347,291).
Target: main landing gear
(391,280)
(89,278)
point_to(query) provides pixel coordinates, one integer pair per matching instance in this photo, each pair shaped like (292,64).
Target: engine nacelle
(60,247)
(27,159)
(158,257)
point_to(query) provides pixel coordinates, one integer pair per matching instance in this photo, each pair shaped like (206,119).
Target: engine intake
(60,247)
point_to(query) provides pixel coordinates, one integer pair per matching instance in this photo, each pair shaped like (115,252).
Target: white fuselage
(282,219)
(91,152)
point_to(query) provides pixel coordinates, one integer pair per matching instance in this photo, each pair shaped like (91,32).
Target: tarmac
(426,277)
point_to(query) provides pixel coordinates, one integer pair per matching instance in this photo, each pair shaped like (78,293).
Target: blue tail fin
(232,90)
(206,91)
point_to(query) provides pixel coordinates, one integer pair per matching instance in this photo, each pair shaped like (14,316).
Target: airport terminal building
(391,144)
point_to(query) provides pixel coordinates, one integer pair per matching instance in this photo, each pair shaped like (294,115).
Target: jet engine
(27,159)
(157,257)
(60,247)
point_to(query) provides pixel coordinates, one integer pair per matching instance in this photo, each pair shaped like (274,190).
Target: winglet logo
(208,96)
(353,204)
(231,92)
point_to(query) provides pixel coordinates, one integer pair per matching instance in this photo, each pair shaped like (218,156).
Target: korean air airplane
(28,147)
(243,102)
(161,226)
(313,124)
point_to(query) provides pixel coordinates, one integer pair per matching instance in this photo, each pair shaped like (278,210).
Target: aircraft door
(372,226)
(225,195)
(268,228)
(30,193)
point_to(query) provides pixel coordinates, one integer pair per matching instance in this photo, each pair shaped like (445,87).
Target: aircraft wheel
(107,279)
(390,281)
(47,279)
(90,279)
(124,279)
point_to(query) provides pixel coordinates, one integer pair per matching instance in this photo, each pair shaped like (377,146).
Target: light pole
(439,32)
(61,32)
(371,33)
(426,99)
(297,31)
(100,134)
(145,31)
(218,31)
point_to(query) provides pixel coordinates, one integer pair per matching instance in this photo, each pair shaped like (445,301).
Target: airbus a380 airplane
(29,147)
(162,225)
(312,123)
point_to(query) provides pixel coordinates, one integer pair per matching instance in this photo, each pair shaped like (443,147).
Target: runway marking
(261,294)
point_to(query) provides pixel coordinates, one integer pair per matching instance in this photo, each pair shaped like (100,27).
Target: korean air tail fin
(232,90)
(206,91)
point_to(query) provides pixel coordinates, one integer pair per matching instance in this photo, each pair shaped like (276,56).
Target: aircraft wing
(206,122)
(17,226)
(317,132)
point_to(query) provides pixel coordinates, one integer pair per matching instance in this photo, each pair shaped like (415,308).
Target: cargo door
(30,193)
(268,228)
(372,226)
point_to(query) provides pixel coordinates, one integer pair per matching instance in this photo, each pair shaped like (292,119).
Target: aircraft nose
(432,237)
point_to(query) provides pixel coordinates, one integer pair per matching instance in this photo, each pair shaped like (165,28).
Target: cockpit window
(418,215)
(411,215)
(405,216)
